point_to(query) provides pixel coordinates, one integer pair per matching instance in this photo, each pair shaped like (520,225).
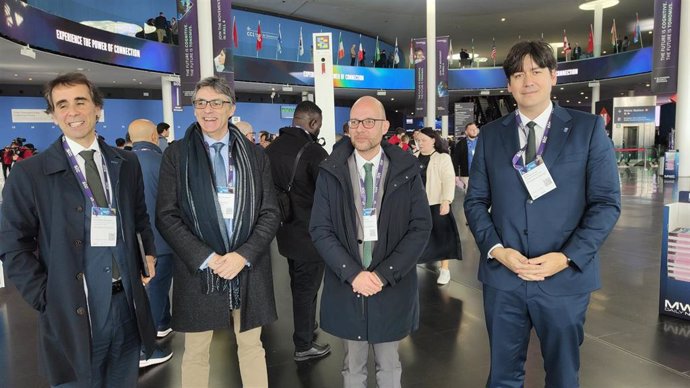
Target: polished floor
(627,344)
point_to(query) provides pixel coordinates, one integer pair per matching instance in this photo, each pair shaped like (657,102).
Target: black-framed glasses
(367,123)
(215,104)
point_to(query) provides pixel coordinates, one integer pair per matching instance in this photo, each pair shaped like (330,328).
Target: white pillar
(683,104)
(166,96)
(323,84)
(205,38)
(430,120)
(598,18)
(444,126)
(596,88)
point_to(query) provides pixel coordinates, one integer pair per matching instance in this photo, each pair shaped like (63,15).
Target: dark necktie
(369,203)
(531,152)
(219,166)
(93,179)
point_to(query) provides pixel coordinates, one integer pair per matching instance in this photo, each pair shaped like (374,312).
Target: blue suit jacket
(574,219)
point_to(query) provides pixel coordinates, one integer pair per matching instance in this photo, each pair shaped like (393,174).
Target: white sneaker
(443,276)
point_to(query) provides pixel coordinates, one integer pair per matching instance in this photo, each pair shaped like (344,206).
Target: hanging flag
(341,48)
(410,59)
(614,36)
(259,38)
(590,40)
(279,46)
(300,45)
(360,53)
(377,52)
(472,57)
(234,33)
(396,53)
(566,47)
(450,52)
(637,35)
(493,51)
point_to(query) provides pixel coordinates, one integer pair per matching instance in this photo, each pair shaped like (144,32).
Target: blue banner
(666,36)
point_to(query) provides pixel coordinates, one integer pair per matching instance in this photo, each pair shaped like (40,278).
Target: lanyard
(82,179)
(362,190)
(230,167)
(517,159)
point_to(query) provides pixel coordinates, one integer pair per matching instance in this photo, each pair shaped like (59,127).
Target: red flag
(259,38)
(360,53)
(566,45)
(234,33)
(590,40)
(341,48)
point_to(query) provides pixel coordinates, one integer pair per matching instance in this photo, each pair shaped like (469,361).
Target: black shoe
(316,351)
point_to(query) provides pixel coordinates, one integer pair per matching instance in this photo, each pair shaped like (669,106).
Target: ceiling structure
(463,20)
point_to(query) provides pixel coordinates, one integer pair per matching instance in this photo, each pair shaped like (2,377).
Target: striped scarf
(200,206)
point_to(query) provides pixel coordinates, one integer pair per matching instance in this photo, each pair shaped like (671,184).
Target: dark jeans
(6,169)
(305,280)
(158,291)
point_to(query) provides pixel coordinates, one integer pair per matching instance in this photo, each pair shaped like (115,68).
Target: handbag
(283,194)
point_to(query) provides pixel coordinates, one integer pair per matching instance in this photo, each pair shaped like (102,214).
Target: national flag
(493,51)
(614,35)
(279,46)
(472,57)
(590,40)
(360,52)
(566,48)
(300,44)
(259,38)
(637,35)
(450,52)
(396,53)
(411,57)
(377,52)
(234,33)
(341,48)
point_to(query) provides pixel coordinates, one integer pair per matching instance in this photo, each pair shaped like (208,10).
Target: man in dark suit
(370,223)
(304,262)
(69,243)
(463,153)
(219,214)
(544,196)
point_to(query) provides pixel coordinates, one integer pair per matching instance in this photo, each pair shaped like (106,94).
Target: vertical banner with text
(189,51)
(666,36)
(176,95)
(221,13)
(419,58)
(442,44)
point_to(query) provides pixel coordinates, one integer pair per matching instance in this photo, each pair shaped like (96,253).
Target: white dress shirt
(98,158)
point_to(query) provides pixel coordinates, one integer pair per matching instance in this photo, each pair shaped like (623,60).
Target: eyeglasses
(367,123)
(215,104)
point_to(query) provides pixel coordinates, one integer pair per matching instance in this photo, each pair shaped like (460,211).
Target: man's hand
(151,263)
(516,262)
(544,266)
(444,208)
(228,265)
(367,283)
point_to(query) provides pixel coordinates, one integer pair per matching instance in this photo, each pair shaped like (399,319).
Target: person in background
(265,139)
(120,143)
(405,143)
(395,139)
(163,131)
(144,137)
(439,183)
(246,129)
(463,154)
(161,24)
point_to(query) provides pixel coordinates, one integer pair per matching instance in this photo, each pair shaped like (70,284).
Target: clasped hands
(228,265)
(534,269)
(367,283)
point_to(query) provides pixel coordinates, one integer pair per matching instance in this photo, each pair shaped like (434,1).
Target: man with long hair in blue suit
(544,194)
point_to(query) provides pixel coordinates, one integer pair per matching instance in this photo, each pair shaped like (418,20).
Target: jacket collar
(56,161)
(142,145)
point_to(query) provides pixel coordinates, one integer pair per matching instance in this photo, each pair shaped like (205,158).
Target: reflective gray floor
(627,343)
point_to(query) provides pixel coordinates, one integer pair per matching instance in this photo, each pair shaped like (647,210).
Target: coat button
(529,201)
(81,311)
(80,209)
(80,276)
(77,243)
(391,267)
(358,295)
(344,265)
(359,337)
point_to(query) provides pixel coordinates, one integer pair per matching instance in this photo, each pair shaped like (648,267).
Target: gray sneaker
(316,351)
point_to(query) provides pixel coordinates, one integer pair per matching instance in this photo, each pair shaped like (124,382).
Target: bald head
(368,124)
(246,129)
(371,103)
(143,130)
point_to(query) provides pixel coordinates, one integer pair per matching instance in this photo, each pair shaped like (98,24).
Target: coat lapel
(509,137)
(561,123)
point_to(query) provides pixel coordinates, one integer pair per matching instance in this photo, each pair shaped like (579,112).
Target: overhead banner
(221,13)
(666,36)
(419,58)
(464,114)
(442,44)
(190,72)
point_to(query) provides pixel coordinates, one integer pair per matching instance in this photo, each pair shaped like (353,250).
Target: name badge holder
(369,217)
(226,194)
(535,175)
(103,228)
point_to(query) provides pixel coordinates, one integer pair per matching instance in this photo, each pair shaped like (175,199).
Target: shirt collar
(360,161)
(77,148)
(540,120)
(209,140)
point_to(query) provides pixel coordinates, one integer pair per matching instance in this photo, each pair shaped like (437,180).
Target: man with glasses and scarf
(218,212)
(370,222)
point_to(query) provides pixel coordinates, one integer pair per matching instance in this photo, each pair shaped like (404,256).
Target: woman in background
(438,176)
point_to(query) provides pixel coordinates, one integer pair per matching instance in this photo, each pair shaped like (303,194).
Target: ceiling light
(647,85)
(31,79)
(586,98)
(28,52)
(380,92)
(650,32)
(503,19)
(567,100)
(16,75)
(579,102)
(592,5)
(582,92)
(287,88)
(603,52)
(80,69)
(562,88)
(392,98)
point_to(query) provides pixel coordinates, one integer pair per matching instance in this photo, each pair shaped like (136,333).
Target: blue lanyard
(82,179)
(542,145)
(377,181)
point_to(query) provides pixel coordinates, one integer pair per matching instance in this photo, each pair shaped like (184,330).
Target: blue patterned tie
(369,203)
(219,166)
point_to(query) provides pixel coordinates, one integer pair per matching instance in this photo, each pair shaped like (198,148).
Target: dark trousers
(114,350)
(6,169)
(559,324)
(158,291)
(305,280)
